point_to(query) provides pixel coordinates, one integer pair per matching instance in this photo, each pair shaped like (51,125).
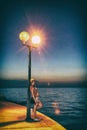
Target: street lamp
(30,42)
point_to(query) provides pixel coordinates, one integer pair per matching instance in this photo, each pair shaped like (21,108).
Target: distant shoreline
(24,84)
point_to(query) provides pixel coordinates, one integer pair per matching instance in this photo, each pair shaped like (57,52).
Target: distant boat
(48,84)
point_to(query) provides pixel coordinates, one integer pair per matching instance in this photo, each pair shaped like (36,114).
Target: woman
(35,98)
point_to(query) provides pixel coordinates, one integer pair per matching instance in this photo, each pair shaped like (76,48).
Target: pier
(12,117)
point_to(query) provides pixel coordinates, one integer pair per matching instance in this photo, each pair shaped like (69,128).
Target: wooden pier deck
(12,117)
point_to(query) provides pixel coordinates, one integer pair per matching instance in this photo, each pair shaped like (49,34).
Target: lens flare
(38,35)
(56,108)
(57,111)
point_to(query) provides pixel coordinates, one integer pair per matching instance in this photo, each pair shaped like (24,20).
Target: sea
(66,105)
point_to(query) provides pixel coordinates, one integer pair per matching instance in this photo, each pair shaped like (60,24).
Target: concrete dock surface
(12,117)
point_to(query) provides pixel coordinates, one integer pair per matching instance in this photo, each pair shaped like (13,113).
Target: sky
(61,56)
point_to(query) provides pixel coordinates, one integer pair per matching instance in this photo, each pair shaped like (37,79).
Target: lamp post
(34,42)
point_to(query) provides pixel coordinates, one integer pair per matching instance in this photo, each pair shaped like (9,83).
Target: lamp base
(29,120)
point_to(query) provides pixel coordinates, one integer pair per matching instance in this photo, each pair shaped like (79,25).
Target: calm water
(68,106)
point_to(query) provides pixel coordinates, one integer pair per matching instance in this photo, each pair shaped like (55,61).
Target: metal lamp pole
(28,116)
(24,37)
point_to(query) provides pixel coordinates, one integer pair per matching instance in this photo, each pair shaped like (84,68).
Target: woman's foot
(36,119)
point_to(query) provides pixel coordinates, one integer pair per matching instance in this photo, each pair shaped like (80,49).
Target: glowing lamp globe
(36,40)
(24,36)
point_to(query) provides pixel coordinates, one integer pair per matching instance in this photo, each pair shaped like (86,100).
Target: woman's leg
(39,105)
(35,108)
